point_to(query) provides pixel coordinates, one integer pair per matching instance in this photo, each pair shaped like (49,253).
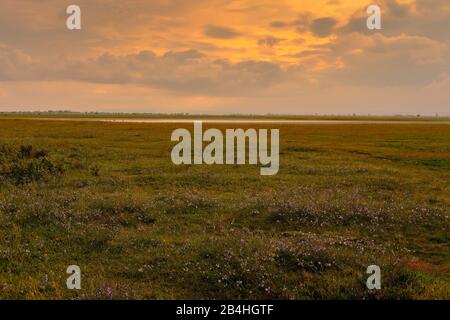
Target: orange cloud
(195,53)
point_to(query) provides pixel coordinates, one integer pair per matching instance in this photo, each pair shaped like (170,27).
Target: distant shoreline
(133,117)
(229,120)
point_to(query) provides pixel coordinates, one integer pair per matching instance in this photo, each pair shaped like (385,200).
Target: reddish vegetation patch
(425,266)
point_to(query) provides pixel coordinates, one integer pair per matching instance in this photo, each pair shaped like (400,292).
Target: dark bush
(26,171)
(25,151)
(40,154)
(95,170)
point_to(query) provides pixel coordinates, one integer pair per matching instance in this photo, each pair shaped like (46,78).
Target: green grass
(106,197)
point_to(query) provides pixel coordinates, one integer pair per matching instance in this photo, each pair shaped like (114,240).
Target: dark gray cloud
(269,41)
(427,19)
(279,24)
(310,53)
(323,27)
(387,61)
(220,32)
(187,72)
(320,27)
(301,23)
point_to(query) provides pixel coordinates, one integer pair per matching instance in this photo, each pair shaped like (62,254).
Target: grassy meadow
(106,197)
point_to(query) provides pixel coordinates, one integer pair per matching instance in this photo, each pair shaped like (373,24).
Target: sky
(226,56)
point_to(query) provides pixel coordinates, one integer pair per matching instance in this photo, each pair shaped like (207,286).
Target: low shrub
(32,170)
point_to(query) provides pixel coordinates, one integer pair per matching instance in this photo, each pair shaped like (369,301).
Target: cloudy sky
(226,56)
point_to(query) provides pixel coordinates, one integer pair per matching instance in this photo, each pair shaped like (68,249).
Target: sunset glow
(226,56)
